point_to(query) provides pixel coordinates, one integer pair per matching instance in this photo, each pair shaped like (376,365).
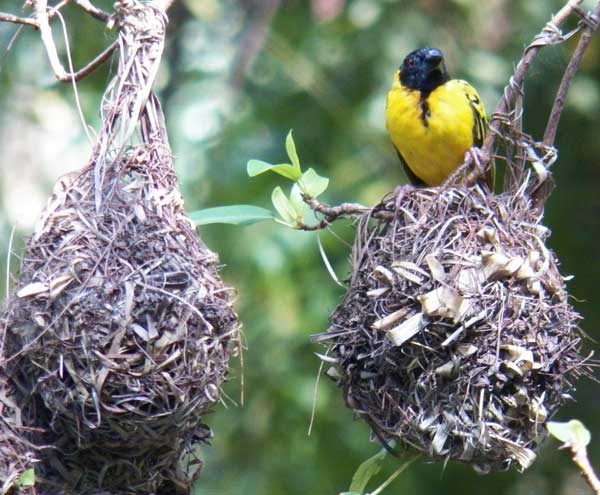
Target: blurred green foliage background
(236,76)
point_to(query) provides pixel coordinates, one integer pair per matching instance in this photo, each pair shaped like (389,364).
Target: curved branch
(572,67)
(516,81)
(94,11)
(91,67)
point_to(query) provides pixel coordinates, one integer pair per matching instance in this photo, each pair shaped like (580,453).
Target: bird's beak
(436,62)
(436,65)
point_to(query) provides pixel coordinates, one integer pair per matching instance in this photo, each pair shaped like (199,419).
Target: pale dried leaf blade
(405,331)
(33,289)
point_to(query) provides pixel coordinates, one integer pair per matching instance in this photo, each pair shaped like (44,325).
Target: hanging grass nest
(120,329)
(17,456)
(456,336)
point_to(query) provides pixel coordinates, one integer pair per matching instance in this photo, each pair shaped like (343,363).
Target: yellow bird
(432,120)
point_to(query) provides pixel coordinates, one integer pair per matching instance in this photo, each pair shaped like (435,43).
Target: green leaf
(312,183)
(27,478)
(234,215)
(297,202)
(287,171)
(366,471)
(257,167)
(284,206)
(572,432)
(290,147)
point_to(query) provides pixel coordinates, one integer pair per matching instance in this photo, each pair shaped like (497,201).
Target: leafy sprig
(290,209)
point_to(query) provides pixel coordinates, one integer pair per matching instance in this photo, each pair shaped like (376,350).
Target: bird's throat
(424,104)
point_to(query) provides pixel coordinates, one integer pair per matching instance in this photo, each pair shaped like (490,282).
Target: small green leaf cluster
(291,208)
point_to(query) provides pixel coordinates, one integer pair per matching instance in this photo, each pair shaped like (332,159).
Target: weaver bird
(432,120)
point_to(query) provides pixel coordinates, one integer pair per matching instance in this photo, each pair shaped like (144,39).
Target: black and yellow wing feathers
(480,121)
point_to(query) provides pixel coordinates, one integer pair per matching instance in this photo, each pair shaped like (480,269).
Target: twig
(580,458)
(516,81)
(41,16)
(94,11)
(332,213)
(394,475)
(42,19)
(34,23)
(74,84)
(93,65)
(572,67)
(27,21)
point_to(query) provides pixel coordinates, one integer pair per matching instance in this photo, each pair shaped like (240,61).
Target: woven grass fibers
(17,456)
(456,336)
(121,323)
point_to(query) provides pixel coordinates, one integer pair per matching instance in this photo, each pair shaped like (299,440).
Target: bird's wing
(479,116)
(480,125)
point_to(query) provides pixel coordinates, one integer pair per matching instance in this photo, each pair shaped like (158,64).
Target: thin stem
(572,67)
(18,20)
(323,224)
(580,458)
(52,11)
(7,292)
(34,22)
(394,475)
(332,213)
(93,10)
(92,66)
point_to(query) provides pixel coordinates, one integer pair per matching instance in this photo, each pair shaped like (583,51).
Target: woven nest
(17,456)
(125,325)
(120,329)
(456,336)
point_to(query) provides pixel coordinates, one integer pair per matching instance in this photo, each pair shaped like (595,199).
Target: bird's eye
(411,62)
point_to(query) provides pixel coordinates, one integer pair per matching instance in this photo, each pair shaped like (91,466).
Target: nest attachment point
(456,336)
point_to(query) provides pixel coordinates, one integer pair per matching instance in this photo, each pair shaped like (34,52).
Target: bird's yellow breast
(432,134)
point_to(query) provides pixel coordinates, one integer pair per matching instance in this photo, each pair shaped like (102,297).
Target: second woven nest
(456,336)
(123,325)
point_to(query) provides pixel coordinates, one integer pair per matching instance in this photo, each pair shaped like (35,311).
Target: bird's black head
(424,69)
